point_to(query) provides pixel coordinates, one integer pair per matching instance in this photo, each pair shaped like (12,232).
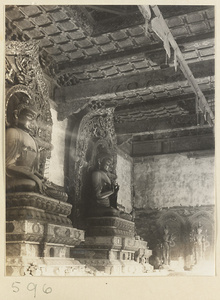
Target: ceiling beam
(110,9)
(153,124)
(173,145)
(168,38)
(142,80)
(147,50)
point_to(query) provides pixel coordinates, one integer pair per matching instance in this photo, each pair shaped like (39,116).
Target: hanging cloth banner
(158,28)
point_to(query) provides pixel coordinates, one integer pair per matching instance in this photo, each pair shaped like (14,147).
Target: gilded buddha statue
(22,155)
(105,190)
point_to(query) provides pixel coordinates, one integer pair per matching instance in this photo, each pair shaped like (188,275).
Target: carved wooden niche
(96,134)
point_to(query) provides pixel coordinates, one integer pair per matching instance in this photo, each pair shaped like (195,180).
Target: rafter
(164,29)
(106,87)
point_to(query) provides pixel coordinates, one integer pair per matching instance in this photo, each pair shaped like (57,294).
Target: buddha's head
(25,118)
(105,162)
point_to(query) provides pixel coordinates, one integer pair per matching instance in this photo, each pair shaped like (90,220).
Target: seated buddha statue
(105,190)
(22,156)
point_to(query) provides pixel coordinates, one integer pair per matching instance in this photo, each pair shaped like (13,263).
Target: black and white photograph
(109,119)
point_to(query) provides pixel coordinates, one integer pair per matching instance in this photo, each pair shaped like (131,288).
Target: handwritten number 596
(31,287)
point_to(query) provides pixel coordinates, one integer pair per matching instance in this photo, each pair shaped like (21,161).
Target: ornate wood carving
(95,133)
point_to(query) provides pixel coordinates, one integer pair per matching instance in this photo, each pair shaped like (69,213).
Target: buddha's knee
(21,185)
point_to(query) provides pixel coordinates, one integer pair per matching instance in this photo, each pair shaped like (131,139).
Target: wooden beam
(202,102)
(110,9)
(174,145)
(142,80)
(153,124)
(150,49)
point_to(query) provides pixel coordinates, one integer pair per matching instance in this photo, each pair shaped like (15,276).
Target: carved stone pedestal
(111,247)
(39,236)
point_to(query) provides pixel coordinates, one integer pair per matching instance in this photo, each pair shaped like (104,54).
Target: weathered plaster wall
(124,172)
(55,172)
(174,180)
(177,191)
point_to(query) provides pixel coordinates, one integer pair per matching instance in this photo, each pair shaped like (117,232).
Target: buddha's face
(26,120)
(106,164)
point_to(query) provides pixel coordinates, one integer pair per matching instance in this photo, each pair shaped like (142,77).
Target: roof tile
(119,35)
(102,40)
(68,26)
(175,21)
(45,43)
(35,34)
(59,39)
(178,31)
(125,68)
(68,47)
(85,43)
(194,17)
(136,31)
(108,47)
(59,16)
(198,27)
(50,8)
(52,50)
(30,10)
(51,30)
(141,65)
(76,35)
(125,43)
(14,15)
(76,54)
(111,71)
(24,24)
(92,51)
(41,20)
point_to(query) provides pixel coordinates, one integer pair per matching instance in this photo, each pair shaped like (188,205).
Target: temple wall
(175,190)
(124,172)
(174,180)
(55,171)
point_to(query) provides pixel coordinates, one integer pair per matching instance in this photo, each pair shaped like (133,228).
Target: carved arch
(178,227)
(96,131)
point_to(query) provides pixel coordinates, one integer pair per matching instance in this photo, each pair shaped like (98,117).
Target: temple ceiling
(103,53)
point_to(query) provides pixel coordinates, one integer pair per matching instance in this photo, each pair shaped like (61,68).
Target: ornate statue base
(40,236)
(111,247)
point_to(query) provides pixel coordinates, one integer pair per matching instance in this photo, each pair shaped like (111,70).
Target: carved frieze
(18,213)
(67,79)
(38,201)
(39,231)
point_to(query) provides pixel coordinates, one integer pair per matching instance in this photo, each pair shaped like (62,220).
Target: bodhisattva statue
(22,156)
(167,242)
(105,190)
(200,244)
